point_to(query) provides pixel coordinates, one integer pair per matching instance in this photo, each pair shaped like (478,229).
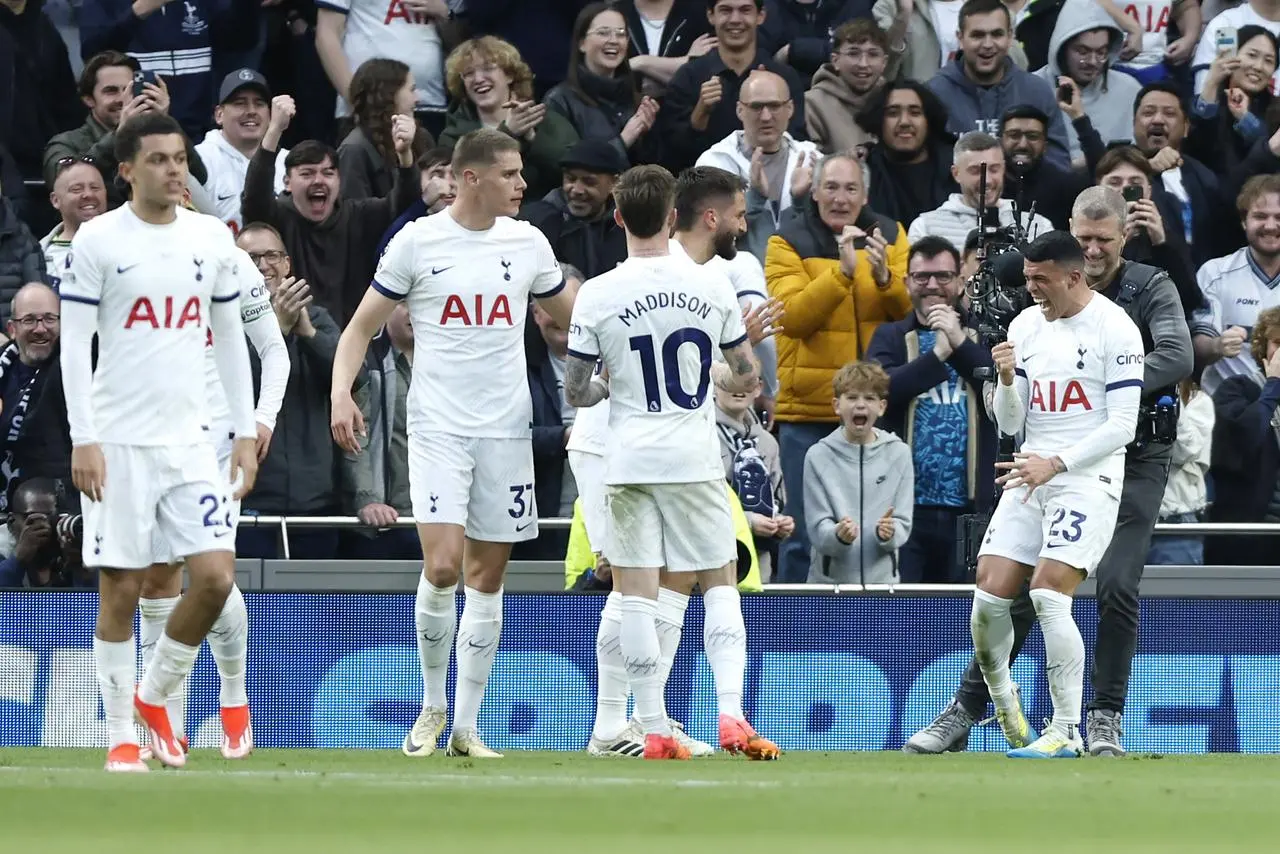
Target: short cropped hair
(481,148)
(644,196)
(261,226)
(129,135)
(931,247)
(702,187)
(861,377)
(433,157)
(310,152)
(711,4)
(1099,203)
(1124,155)
(1024,111)
(1254,189)
(1055,247)
(1160,86)
(26,493)
(974,141)
(857,31)
(107,59)
(1265,328)
(982,7)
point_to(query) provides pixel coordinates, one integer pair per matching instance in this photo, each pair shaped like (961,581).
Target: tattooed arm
(739,372)
(581,387)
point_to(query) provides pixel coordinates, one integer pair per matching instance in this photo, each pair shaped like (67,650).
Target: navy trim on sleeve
(320,4)
(734,343)
(75,298)
(1124,384)
(230,298)
(742,294)
(586,357)
(557,289)
(1020,373)
(385,291)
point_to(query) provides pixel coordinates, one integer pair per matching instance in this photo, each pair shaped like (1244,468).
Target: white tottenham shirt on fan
(263,331)
(389,29)
(1154,16)
(656,323)
(1236,17)
(155,289)
(225,183)
(1236,290)
(467,293)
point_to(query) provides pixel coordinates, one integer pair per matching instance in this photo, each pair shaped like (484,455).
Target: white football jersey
(226,168)
(1235,292)
(263,330)
(153,286)
(1066,370)
(468,292)
(656,324)
(387,29)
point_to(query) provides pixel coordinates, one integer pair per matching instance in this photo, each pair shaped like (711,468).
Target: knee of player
(162,581)
(1057,576)
(1000,576)
(442,573)
(679,582)
(118,592)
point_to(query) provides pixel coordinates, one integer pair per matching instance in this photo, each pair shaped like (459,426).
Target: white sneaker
(468,743)
(628,743)
(696,748)
(421,740)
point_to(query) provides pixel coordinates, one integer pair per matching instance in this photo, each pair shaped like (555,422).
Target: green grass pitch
(317,801)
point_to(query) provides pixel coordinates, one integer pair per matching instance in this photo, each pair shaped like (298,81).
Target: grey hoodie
(1108,99)
(861,482)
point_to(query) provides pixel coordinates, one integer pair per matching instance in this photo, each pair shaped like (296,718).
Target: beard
(725,244)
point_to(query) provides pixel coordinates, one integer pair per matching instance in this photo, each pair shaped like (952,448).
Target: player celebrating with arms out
(654,322)
(467,273)
(151,280)
(1071,375)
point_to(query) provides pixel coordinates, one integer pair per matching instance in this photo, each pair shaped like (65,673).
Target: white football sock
(478,634)
(229,643)
(611,672)
(435,615)
(1063,657)
(153,617)
(169,668)
(724,638)
(642,656)
(116,663)
(669,621)
(992,631)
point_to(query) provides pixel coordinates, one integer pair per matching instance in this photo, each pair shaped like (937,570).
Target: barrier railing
(554,524)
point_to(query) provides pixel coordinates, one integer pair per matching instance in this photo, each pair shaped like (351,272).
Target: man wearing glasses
(1030,178)
(35,440)
(934,406)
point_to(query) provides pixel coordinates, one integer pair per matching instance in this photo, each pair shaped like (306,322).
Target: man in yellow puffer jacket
(839,270)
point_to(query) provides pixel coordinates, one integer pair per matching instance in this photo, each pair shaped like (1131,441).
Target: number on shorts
(520,507)
(643,344)
(212,504)
(1071,531)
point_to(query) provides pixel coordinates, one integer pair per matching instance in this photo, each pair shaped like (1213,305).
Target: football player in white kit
(1071,376)
(710,216)
(162,587)
(151,280)
(467,273)
(654,322)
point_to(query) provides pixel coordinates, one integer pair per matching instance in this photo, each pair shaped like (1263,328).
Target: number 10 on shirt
(674,383)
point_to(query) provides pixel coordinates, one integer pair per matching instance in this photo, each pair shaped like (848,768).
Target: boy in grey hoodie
(859,486)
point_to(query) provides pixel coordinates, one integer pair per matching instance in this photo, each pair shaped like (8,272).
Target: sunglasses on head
(65,163)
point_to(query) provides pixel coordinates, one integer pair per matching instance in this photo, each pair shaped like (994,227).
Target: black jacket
(593,247)
(549,454)
(299,474)
(1052,189)
(912,373)
(600,110)
(685,22)
(1035,31)
(1244,466)
(1172,256)
(683,144)
(21,260)
(807,27)
(889,196)
(42,446)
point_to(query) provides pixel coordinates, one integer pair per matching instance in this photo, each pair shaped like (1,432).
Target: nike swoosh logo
(520,528)
(220,534)
(224,198)
(127,267)
(435,271)
(1054,545)
(410,745)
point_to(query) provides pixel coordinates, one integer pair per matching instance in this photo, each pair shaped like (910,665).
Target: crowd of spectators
(317,129)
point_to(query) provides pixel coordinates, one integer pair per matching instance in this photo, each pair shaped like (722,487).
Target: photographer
(1151,301)
(47,546)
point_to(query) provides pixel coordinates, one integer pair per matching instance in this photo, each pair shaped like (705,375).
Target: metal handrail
(558,523)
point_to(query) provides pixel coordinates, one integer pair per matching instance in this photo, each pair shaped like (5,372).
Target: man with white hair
(1150,299)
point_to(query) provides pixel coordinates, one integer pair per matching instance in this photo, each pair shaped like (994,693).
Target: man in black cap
(577,219)
(242,115)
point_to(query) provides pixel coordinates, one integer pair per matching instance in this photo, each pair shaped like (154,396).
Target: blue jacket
(896,346)
(974,107)
(176,42)
(414,211)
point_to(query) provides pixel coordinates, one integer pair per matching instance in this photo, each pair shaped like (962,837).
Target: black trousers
(1119,576)
(930,555)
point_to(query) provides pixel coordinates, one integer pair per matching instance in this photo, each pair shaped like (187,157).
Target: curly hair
(861,377)
(488,49)
(1265,329)
(373,101)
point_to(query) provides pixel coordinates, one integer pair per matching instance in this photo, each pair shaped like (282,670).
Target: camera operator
(1151,301)
(47,545)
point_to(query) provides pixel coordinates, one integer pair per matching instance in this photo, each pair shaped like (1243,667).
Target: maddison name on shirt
(666,299)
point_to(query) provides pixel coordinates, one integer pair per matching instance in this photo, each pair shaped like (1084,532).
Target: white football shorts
(169,497)
(588,473)
(484,485)
(1068,522)
(224,439)
(686,527)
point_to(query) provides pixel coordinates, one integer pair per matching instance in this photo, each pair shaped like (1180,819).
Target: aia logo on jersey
(170,315)
(1072,394)
(1152,19)
(458,312)
(396,11)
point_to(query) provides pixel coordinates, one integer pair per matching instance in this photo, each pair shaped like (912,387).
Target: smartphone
(1132,193)
(1226,40)
(1065,94)
(861,242)
(141,79)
